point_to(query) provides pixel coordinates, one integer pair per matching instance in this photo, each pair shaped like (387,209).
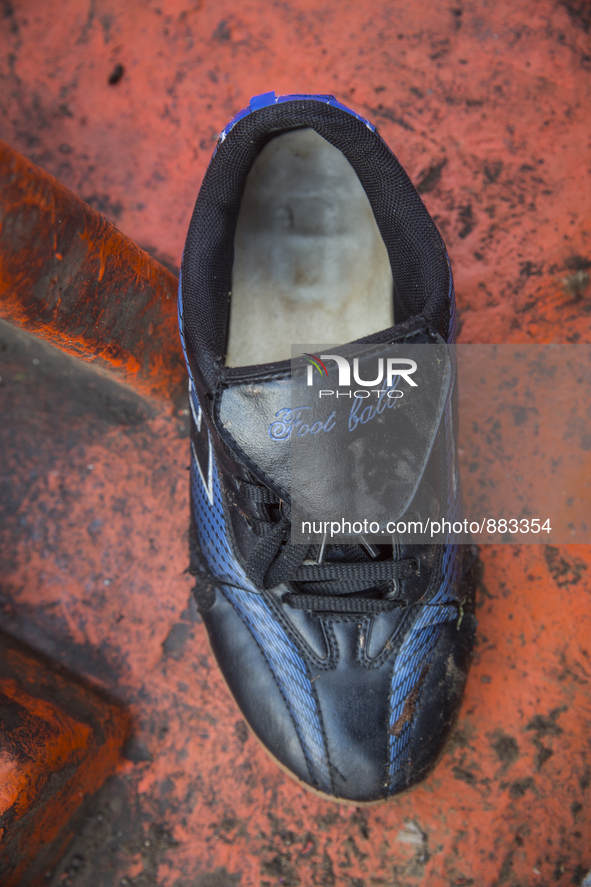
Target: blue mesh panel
(416,651)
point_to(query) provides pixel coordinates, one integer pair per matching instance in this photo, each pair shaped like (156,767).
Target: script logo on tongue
(290,422)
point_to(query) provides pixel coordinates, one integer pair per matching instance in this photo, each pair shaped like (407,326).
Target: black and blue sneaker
(307,229)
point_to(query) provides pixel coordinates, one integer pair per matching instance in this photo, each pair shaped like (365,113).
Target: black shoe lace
(324,578)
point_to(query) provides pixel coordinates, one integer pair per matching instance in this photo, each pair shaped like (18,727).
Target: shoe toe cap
(336,732)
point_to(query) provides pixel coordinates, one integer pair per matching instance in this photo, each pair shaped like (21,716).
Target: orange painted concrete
(68,276)
(487,107)
(59,741)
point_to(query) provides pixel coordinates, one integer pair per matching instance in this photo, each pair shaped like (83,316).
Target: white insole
(310,265)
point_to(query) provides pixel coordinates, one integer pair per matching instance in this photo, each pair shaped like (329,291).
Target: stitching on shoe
(325,664)
(392,645)
(331,641)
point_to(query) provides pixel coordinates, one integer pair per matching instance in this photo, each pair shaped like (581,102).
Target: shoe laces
(352,578)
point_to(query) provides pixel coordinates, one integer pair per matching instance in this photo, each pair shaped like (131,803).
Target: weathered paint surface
(487,107)
(68,276)
(59,740)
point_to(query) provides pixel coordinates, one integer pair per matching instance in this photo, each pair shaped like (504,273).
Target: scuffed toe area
(330,727)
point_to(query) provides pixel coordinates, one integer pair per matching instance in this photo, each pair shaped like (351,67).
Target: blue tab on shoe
(261,101)
(270,98)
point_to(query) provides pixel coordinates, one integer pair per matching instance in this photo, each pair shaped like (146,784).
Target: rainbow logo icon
(316,362)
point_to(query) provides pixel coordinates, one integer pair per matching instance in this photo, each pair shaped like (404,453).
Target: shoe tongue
(342,450)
